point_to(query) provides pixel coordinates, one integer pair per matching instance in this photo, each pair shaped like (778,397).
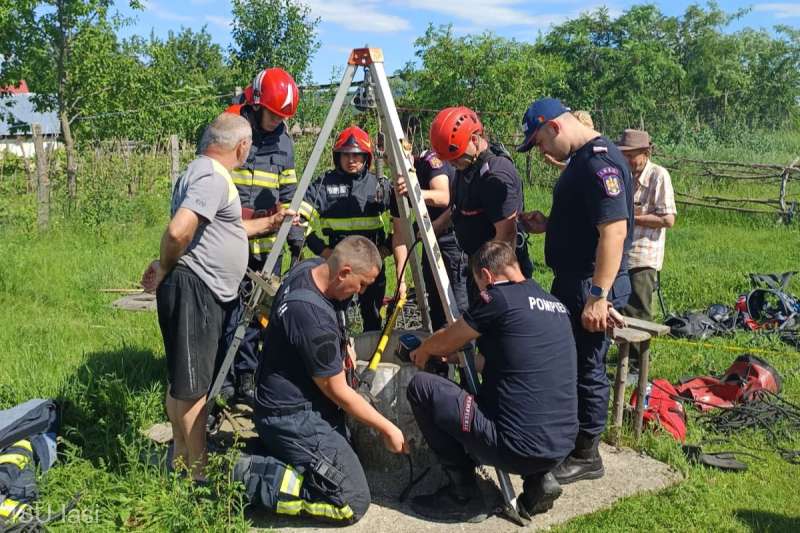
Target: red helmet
(275,89)
(242,99)
(353,140)
(451,131)
(247,95)
(234,109)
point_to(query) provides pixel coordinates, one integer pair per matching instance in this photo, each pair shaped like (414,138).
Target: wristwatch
(598,292)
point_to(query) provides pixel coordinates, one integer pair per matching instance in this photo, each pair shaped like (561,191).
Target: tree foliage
(70,54)
(682,77)
(278,33)
(490,74)
(166,86)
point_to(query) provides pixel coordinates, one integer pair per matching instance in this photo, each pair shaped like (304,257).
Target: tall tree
(273,33)
(64,49)
(163,86)
(491,74)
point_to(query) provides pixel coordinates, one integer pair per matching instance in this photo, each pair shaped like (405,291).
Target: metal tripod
(401,165)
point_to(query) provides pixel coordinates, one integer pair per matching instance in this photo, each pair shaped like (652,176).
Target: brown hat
(634,140)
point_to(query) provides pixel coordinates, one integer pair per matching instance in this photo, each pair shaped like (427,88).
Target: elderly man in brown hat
(654,212)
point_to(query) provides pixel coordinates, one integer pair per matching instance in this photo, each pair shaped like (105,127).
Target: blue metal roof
(17,113)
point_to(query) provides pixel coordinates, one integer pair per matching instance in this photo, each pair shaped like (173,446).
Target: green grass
(61,339)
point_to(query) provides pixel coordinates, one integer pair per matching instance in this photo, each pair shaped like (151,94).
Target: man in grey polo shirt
(203,258)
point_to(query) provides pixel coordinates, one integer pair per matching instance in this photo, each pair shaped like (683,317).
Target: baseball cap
(539,112)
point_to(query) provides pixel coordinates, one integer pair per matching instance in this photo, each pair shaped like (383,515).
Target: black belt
(285,411)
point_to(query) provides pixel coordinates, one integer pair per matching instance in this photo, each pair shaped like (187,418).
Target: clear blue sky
(394,24)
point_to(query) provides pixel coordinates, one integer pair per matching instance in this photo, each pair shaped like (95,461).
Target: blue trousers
(459,434)
(455,262)
(592,347)
(309,468)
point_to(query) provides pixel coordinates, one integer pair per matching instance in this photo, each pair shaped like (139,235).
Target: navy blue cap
(539,112)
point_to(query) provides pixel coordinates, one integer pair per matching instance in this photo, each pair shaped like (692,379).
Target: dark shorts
(192,324)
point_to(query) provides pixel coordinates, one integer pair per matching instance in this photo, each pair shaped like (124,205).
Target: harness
(768,306)
(482,164)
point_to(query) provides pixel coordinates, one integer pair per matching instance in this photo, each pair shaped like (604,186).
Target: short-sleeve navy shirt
(487,192)
(595,188)
(428,166)
(302,341)
(529,386)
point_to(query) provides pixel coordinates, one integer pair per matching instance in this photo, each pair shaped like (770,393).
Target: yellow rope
(727,347)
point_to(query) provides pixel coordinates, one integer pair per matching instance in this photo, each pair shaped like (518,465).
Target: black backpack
(699,325)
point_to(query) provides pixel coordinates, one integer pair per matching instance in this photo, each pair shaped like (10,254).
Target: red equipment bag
(663,409)
(740,384)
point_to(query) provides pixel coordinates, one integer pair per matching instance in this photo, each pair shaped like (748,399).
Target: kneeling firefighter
(524,417)
(351,200)
(305,388)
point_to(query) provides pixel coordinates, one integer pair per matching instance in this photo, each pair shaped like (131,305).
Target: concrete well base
(389,390)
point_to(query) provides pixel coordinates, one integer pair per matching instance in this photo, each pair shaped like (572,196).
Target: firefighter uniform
(428,166)
(266,181)
(488,191)
(342,204)
(310,466)
(524,416)
(595,188)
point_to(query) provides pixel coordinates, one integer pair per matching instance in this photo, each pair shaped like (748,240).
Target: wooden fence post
(785,210)
(174,160)
(30,184)
(42,180)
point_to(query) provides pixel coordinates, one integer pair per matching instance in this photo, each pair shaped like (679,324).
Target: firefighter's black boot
(538,494)
(583,463)
(460,500)
(247,389)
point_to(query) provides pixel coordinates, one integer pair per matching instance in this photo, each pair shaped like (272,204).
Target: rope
(766,410)
(412,481)
(726,347)
(778,417)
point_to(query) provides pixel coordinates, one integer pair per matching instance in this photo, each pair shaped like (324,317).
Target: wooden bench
(640,331)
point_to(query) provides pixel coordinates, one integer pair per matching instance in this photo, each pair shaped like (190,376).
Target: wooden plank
(653,328)
(142,301)
(627,335)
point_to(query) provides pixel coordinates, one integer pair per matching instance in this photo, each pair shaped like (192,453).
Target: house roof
(17,113)
(21,88)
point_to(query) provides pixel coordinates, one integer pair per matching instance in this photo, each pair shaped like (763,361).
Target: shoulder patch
(610,179)
(486,297)
(435,162)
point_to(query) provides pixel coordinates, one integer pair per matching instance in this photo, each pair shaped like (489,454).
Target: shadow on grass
(768,522)
(108,399)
